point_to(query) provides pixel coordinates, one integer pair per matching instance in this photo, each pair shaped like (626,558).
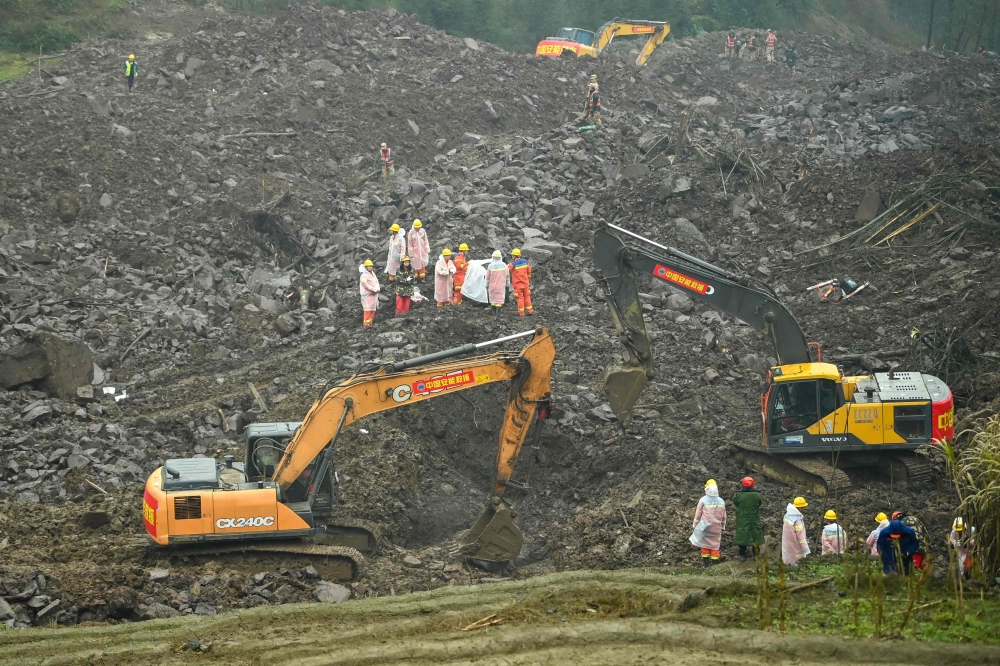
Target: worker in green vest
(131,68)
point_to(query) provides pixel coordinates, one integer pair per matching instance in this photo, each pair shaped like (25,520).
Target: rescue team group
(407,264)
(902,536)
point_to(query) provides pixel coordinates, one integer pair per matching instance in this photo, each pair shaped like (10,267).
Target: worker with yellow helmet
(962,539)
(131,68)
(461,265)
(369,288)
(397,248)
(794,545)
(419,249)
(709,522)
(520,281)
(444,271)
(872,540)
(833,537)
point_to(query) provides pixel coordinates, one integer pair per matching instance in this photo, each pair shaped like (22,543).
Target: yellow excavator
(277,499)
(579,42)
(816,420)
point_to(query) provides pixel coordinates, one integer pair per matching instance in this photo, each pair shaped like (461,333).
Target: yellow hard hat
(958,525)
(830,514)
(131,56)
(799,502)
(881,516)
(404,258)
(417,224)
(394,227)
(710,482)
(463,248)
(516,252)
(368,263)
(446,252)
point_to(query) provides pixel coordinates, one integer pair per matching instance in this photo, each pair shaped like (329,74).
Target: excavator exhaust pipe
(622,386)
(495,537)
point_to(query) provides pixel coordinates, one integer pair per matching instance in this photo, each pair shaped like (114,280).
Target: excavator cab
(578,35)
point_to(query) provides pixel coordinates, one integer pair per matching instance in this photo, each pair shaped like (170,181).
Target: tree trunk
(961,33)
(930,25)
(979,30)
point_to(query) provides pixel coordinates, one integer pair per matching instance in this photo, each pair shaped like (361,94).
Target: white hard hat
(497,255)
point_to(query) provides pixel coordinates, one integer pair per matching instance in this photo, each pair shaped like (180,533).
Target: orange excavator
(579,42)
(277,500)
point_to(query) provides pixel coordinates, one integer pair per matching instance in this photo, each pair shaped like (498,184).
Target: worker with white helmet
(497,278)
(709,522)
(397,248)
(794,545)
(833,537)
(369,288)
(385,154)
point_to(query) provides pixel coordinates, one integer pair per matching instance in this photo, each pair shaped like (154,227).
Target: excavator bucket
(622,385)
(495,537)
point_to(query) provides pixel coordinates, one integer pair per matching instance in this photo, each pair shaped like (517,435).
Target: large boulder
(54,364)
(68,207)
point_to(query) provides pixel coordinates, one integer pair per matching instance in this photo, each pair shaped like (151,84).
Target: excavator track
(338,562)
(363,536)
(813,473)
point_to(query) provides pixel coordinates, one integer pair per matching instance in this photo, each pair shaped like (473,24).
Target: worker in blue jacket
(897,533)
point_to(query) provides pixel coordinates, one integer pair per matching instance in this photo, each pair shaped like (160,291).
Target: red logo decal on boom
(682,280)
(640,29)
(443,382)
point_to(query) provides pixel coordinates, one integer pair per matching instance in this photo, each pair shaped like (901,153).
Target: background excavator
(582,42)
(816,420)
(277,500)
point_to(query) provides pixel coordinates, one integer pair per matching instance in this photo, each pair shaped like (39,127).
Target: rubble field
(163,251)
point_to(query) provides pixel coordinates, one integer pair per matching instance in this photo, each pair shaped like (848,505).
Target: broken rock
(55,364)
(331,593)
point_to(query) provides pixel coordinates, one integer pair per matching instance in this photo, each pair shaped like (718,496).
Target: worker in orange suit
(461,265)
(520,280)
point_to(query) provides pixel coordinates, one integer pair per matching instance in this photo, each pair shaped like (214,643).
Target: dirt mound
(203,233)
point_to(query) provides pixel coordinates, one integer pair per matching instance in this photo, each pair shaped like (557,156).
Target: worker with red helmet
(749,529)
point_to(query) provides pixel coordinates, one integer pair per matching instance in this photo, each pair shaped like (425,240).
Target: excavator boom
(619,254)
(656,30)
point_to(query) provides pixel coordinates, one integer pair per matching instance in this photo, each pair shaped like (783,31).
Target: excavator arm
(494,537)
(619,254)
(657,31)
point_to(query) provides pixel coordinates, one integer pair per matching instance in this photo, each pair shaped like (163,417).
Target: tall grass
(975,472)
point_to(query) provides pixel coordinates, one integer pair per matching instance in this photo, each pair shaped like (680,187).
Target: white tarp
(474,286)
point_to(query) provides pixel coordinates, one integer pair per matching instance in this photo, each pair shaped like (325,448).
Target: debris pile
(194,246)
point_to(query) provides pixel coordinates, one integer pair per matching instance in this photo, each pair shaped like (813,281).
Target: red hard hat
(747,482)
(896,515)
